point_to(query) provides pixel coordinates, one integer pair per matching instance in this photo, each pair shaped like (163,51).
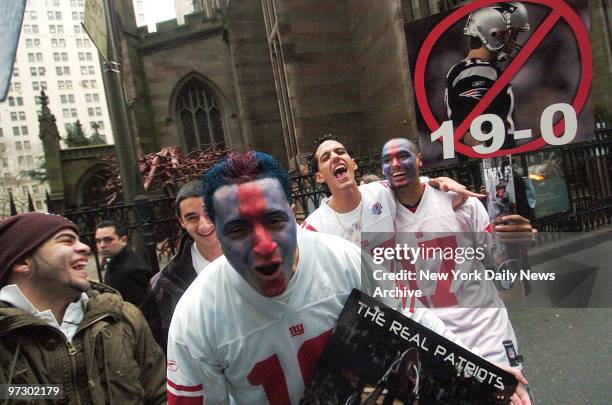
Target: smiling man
(253,325)
(197,248)
(58,327)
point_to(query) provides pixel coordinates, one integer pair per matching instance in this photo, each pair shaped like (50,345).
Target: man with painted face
(425,218)
(253,325)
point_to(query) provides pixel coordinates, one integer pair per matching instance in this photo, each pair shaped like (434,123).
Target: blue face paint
(257,232)
(399,162)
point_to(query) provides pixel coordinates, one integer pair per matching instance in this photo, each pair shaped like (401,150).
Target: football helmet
(497,26)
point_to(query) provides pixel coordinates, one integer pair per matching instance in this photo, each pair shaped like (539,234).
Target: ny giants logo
(296,330)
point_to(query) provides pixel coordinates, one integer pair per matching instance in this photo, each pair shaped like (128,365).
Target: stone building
(274,75)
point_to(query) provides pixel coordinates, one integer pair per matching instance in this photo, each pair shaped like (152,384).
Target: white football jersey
(374,216)
(226,340)
(470,308)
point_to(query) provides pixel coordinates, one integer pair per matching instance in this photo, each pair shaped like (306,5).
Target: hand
(447,184)
(520,396)
(517,230)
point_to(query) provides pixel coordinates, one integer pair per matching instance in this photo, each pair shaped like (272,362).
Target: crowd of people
(243,311)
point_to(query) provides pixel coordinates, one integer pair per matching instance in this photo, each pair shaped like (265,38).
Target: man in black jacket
(198,247)
(126,271)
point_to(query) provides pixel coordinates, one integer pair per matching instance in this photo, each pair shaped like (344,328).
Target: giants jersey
(470,308)
(226,340)
(466,83)
(374,216)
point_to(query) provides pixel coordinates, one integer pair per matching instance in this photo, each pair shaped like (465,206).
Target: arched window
(199,115)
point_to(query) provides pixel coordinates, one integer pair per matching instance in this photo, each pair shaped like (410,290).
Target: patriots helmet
(497,27)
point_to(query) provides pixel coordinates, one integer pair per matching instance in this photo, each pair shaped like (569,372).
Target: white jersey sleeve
(188,373)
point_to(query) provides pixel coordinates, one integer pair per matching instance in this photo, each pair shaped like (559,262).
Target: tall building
(55,55)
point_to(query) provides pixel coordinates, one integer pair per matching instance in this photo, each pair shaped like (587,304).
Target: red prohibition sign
(560,9)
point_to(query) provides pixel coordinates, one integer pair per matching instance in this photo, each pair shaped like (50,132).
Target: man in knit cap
(57,327)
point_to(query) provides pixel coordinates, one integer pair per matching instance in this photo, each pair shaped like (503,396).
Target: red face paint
(252,206)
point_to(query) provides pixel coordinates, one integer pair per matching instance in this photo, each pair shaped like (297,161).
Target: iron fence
(586,167)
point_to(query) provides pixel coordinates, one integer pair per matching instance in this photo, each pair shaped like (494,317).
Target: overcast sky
(158,10)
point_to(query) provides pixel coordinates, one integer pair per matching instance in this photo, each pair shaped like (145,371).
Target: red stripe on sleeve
(181,400)
(188,388)
(306,225)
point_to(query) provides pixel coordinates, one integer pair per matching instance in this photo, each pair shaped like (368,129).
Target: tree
(95,138)
(76,137)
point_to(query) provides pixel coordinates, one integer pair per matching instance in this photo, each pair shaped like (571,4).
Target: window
(33,71)
(13,116)
(31,57)
(16,131)
(81,56)
(60,29)
(24,130)
(36,43)
(34,29)
(19,100)
(41,71)
(61,85)
(86,42)
(79,43)
(90,111)
(66,113)
(75,15)
(77,29)
(73,112)
(29,159)
(50,15)
(39,57)
(90,70)
(11,101)
(89,56)
(94,84)
(20,160)
(98,111)
(62,43)
(18,145)
(38,100)
(83,70)
(199,116)
(22,116)
(35,86)
(71,98)
(96,98)
(81,15)
(63,99)
(52,29)
(17,86)
(65,56)
(26,29)
(1,132)
(88,98)
(15,72)
(54,43)
(43,85)
(29,43)
(59,71)
(33,15)
(58,14)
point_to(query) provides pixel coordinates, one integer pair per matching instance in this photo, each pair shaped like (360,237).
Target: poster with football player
(376,355)
(501,201)
(493,78)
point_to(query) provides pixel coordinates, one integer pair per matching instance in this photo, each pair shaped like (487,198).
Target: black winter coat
(128,274)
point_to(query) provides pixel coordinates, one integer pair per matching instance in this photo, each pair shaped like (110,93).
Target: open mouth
(268,270)
(398,174)
(340,172)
